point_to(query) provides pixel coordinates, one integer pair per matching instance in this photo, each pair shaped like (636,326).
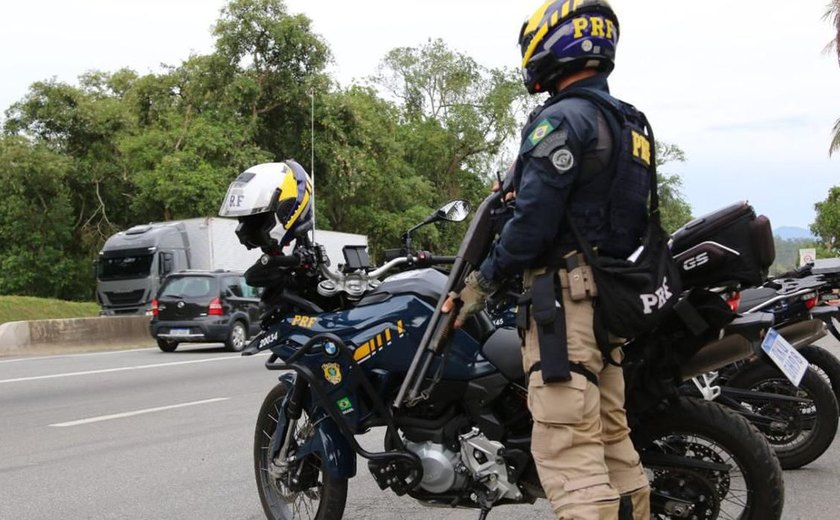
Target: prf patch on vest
(641,147)
(542,129)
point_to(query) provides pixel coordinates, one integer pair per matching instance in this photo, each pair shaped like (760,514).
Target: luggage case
(731,246)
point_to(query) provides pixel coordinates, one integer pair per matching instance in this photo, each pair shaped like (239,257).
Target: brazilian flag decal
(344,404)
(543,129)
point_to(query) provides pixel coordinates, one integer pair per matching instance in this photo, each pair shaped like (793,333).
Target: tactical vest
(612,212)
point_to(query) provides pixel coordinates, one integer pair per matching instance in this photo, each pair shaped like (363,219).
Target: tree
(38,254)
(456,113)
(827,224)
(675,210)
(84,124)
(455,116)
(274,62)
(832,14)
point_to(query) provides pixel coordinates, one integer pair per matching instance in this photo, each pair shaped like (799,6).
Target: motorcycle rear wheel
(752,489)
(323,500)
(812,425)
(827,365)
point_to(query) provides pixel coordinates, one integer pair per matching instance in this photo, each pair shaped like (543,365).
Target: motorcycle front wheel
(811,424)
(708,436)
(299,491)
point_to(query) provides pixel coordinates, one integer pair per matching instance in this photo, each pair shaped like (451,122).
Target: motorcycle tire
(323,501)
(832,328)
(812,425)
(753,488)
(827,365)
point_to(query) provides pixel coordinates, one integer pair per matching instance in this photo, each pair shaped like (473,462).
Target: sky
(743,87)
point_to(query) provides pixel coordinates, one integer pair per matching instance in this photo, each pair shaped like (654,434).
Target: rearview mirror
(454,211)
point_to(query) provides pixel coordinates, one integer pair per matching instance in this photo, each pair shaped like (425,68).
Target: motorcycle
(368,352)
(800,421)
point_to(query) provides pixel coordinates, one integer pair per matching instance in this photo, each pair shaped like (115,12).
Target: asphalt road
(141,434)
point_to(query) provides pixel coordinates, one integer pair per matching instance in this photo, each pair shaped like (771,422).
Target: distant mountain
(792,232)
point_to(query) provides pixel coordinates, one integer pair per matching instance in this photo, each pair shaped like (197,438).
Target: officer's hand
(472,297)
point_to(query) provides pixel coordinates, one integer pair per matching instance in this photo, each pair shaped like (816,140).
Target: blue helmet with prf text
(565,36)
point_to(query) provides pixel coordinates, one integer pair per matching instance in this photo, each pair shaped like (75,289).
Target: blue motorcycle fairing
(338,458)
(383,335)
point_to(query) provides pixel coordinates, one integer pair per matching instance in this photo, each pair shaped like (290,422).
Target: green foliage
(827,224)
(675,210)
(787,253)
(36,217)
(83,161)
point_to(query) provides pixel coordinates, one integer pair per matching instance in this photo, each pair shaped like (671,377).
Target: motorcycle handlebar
(280,261)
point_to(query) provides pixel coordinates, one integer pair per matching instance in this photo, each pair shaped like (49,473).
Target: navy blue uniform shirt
(558,140)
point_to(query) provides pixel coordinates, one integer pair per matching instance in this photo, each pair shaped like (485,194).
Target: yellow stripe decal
(362,352)
(298,211)
(400,329)
(533,45)
(379,341)
(388,335)
(537,17)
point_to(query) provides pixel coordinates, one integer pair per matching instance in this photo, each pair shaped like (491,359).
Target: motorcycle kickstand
(483,514)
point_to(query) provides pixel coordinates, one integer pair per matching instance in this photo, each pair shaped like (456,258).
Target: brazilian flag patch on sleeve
(540,131)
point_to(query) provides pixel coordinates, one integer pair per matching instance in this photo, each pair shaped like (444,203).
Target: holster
(550,318)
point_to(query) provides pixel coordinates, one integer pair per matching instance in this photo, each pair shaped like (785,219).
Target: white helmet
(273,203)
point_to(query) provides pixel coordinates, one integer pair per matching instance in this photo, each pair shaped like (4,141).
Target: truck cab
(132,265)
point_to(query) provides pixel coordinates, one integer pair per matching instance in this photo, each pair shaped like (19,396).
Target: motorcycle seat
(752,297)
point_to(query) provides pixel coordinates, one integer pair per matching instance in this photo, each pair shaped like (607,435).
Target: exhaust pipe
(717,354)
(803,333)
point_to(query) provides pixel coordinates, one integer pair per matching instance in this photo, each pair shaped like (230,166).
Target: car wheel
(237,337)
(167,345)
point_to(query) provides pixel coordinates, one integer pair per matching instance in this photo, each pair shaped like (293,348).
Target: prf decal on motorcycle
(381,340)
(332,373)
(307,322)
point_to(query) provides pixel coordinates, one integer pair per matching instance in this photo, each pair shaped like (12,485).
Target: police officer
(573,150)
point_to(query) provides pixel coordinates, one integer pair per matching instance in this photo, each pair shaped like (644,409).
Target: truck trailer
(132,264)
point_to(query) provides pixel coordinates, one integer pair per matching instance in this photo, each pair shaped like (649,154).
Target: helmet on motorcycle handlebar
(273,203)
(565,36)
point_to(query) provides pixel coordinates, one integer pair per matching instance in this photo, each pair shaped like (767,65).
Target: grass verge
(20,308)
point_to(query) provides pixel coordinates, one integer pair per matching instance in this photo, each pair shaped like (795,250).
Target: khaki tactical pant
(580,440)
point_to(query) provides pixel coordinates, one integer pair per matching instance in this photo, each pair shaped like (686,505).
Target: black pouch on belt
(550,317)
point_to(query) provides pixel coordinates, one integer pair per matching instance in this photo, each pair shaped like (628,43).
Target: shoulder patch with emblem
(539,133)
(563,160)
(554,141)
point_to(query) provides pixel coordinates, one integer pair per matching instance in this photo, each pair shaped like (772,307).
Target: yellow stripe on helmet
(288,190)
(532,47)
(537,17)
(303,204)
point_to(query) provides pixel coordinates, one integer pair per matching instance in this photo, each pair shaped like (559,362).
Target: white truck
(132,264)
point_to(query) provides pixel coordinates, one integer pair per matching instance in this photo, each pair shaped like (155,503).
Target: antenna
(312,153)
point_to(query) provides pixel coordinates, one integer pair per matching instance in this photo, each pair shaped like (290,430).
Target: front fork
(326,441)
(291,409)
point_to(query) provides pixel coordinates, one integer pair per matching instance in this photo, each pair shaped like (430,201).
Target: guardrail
(19,336)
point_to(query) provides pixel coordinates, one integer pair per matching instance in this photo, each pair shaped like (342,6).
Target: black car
(205,306)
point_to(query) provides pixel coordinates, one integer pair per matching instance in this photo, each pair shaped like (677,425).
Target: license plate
(789,361)
(179,332)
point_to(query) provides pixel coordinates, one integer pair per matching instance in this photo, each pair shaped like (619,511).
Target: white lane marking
(80,354)
(136,412)
(120,369)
